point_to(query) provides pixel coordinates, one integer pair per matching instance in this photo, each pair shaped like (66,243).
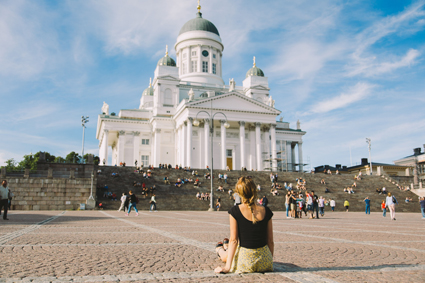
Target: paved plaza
(106,246)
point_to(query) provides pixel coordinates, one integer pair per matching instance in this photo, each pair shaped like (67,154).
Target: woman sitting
(323,182)
(251,244)
(345,190)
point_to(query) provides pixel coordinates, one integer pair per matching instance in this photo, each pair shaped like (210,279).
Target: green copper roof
(166,61)
(199,23)
(148,91)
(254,71)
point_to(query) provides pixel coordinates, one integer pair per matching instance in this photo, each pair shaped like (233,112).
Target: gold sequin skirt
(252,260)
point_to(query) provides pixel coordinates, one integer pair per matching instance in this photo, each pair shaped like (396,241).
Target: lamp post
(84,120)
(226,125)
(369,142)
(91,187)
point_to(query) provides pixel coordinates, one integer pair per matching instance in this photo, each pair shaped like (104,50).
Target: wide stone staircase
(169,197)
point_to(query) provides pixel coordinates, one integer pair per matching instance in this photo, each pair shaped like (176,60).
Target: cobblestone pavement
(106,246)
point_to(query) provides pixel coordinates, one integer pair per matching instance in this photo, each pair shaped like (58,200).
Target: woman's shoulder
(234,210)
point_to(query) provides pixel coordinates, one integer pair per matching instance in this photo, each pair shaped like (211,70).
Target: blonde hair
(247,190)
(389,194)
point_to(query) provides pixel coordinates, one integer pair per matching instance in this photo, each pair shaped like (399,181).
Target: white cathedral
(188,115)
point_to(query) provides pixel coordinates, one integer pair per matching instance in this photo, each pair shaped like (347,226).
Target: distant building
(416,160)
(364,167)
(172,123)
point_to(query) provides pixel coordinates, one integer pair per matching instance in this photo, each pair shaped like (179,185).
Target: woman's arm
(233,243)
(270,241)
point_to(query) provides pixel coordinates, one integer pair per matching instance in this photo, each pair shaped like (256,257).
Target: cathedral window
(145,141)
(194,66)
(184,70)
(214,56)
(193,53)
(145,160)
(214,68)
(205,66)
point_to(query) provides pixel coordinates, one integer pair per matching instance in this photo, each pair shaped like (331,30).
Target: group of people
(296,204)
(202,196)
(129,201)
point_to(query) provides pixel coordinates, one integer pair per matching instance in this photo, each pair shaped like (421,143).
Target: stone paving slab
(106,246)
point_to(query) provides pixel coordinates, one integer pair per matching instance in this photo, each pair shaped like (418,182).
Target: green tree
(29,162)
(59,159)
(96,159)
(72,157)
(11,165)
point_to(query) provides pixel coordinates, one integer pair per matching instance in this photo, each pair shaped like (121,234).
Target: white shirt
(123,198)
(332,203)
(4,192)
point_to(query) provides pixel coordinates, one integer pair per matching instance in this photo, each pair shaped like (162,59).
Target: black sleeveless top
(251,236)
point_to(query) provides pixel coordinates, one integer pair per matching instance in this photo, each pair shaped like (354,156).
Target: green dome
(199,23)
(166,61)
(148,91)
(254,71)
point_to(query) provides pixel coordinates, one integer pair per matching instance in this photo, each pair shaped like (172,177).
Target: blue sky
(346,69)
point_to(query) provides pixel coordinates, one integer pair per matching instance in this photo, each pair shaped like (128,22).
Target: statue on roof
(191,94)
(232,85)
(298,125)
(105,108)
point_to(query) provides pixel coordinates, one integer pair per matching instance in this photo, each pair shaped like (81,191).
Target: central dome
(199,23)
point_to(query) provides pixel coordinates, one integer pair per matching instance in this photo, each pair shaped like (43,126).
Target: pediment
(233,102)
(260,87)
(169,78)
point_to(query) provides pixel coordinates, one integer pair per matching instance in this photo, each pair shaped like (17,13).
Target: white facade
(162,129)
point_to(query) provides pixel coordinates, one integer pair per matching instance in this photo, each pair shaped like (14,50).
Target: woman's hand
(221,270)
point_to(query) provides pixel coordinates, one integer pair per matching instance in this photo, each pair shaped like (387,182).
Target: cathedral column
(183,144)
(207,143)
(258,144)
(189,142)
(293,156)
(210,60)
(223,145)
(300,156)
(157,148)
(242,142)
(136,145)
(267,145)
(189,67)
(199,58)
(105,147)
(273,146)
(252,162)
(121,147)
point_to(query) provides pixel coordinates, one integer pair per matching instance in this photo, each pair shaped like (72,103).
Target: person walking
(250,245)
(123,199)
(322,206)
(237,198)
(391,201)
(133,203)
(153,204)
(384,208)
(422,202)
(287,203)
(315,204)
(332,203)
(367,202)
(265,201)
(346,205)
(4,199)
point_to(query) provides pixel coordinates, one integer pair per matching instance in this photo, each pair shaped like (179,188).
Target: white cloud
(368,68)
(357,93)
(28,43)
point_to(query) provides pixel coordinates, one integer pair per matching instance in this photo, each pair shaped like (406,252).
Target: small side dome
(166,60)
(149,90)
(255,71)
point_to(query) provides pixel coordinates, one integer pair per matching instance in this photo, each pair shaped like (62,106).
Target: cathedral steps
(170,197)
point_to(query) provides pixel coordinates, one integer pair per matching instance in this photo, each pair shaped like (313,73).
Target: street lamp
(84,120)
(226,125)
(91,187)
(368,141)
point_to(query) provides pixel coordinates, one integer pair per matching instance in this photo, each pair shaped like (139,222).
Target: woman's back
(251,235)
